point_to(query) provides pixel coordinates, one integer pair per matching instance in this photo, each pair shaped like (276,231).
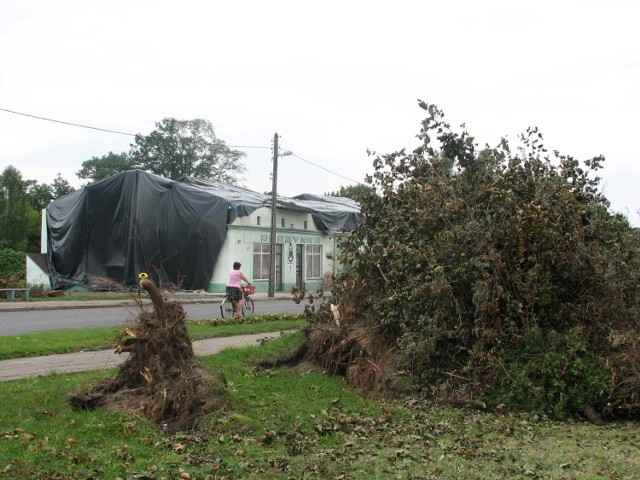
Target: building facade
(304,254)
(188,233)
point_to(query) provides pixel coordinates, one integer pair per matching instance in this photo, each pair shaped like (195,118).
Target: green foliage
(40,194)
(14,209)
(282,424)
(34,232)
(60,186)
(554,374)
(467,249)
(12,265)
(265,317)
(180,148)
(176,148)
(354,192)
(21,203)
(99,168)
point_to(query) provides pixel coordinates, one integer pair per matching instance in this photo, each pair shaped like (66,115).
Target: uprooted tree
(488,275)
(161,380)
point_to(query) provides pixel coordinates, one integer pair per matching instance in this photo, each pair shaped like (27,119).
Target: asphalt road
(21,322)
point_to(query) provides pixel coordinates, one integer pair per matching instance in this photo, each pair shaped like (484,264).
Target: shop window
(314,261)
(261,256)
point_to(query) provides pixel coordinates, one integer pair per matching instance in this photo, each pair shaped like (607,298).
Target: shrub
(554,374)
(12,267)
(471,256)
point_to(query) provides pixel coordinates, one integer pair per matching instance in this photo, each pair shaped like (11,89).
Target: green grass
(66,341)
(88,297)
(75,297)
(285,425)
(61,341)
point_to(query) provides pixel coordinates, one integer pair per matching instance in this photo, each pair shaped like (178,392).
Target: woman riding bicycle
(234,285)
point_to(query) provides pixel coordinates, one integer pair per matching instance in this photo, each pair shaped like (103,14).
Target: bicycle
(228,306)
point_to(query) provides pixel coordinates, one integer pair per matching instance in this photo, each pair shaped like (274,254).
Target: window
(314,261)
(261,256)
(258,221)
(305,224)
(283,223)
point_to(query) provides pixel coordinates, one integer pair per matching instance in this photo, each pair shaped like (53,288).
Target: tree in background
(14,210)
(39,194)
(34,231)
(176,148)
(60,187)
(354,192)
(190,148)
(99,168)
(21,204)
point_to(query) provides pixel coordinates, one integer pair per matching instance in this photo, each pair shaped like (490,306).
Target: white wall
(44,237)
(35,275)
(244,232)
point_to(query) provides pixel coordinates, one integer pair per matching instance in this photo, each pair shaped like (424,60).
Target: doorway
(299,267)
(278,285)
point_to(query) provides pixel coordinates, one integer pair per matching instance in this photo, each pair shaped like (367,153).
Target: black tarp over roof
(139,222)
(331,214)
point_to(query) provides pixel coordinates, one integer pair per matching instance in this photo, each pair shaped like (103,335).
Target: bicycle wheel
(247,307)
(227,308)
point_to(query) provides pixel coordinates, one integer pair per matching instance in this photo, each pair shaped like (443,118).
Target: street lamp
(274,196)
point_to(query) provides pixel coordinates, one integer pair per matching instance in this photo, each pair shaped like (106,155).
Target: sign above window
(294,239)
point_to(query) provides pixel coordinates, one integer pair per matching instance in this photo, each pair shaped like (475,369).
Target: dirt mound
(162,379)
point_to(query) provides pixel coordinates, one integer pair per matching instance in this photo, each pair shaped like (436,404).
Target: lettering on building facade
(293,239)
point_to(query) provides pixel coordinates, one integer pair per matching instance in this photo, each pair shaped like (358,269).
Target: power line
(323,168)
(100,129)
(246,146)
(133,135)
(67,123)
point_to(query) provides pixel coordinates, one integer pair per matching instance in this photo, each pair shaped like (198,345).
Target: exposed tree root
(353,350)
(161,380)
(342,342)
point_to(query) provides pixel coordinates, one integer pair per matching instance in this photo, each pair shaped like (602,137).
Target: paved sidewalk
(101,359)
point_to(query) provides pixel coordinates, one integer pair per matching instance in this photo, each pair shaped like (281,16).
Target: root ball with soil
(161,379)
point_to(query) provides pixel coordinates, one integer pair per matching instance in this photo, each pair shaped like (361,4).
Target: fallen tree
(491,276)
(161,379)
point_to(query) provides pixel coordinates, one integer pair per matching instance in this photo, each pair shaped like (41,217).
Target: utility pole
(274,196)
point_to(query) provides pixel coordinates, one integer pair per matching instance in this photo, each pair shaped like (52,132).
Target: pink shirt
(234,279)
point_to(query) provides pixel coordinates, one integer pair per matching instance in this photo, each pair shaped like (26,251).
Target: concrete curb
(19,306)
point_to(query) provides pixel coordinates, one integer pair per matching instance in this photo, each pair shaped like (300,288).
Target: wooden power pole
(274,197)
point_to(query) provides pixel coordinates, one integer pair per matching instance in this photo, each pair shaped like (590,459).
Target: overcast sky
(332,78)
